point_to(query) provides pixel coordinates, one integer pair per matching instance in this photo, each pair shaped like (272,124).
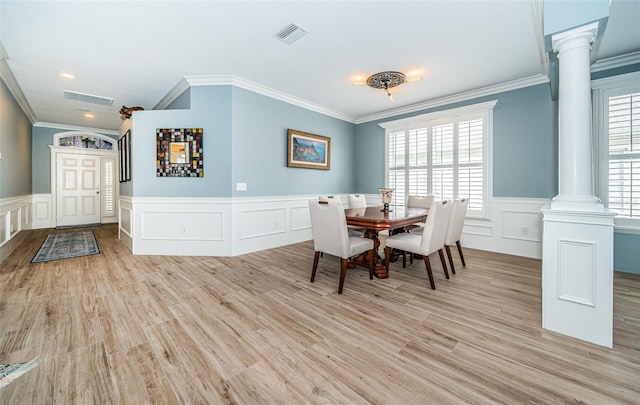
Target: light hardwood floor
(124,329)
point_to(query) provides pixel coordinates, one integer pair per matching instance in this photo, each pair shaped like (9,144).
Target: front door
(77,189)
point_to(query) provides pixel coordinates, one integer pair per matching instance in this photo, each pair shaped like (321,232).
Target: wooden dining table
(374,220)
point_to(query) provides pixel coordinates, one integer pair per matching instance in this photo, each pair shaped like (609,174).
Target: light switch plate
(241,186)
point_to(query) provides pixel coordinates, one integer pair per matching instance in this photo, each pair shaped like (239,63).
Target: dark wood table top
(373,217)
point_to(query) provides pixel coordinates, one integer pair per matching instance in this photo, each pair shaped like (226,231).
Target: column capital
(579,36)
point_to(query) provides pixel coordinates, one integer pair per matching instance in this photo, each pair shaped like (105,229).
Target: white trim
(627,79)
(229,80)
(14,88)
(616,62)
(450,113)
(54,125)
(459,97)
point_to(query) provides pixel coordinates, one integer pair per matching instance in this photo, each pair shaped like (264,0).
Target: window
(446,153)
(617,131)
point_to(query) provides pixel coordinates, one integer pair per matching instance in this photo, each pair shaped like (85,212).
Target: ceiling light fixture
(387,80)
(67,75)
(89,115)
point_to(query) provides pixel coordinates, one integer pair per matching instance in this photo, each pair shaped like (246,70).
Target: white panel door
(77,190)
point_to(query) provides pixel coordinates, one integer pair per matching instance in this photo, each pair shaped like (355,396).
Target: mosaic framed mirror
(179,152)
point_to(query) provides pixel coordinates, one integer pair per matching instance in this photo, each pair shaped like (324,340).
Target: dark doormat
(77,226)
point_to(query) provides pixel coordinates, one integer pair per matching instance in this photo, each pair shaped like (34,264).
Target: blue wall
(211,111)
(260,148)
(525,156)
(42,137)
(15,142)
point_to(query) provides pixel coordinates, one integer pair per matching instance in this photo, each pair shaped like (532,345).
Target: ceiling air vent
(87,98)
(290,34)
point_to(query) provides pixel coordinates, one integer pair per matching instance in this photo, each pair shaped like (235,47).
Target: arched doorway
(83,178)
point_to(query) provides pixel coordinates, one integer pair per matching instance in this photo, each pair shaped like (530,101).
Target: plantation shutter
(470,162)
(396,163)
(442,161)
(624,155)
(418,162)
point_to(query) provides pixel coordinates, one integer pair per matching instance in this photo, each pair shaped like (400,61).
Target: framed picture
(179,152)
(124,153)
(308,151)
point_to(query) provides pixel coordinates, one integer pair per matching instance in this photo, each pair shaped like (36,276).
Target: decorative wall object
(179,152)
(308,151)
(124,153)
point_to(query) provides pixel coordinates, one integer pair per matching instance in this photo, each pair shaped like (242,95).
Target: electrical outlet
(524,230)
(241,186)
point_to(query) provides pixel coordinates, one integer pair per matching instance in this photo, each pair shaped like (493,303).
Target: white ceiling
(136,52)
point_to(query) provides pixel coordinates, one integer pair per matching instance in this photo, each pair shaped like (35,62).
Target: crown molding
(468,95)
(75,128)
(12,84)
(228,80)
(616,62)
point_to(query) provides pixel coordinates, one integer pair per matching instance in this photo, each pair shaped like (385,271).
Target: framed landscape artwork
(308,151)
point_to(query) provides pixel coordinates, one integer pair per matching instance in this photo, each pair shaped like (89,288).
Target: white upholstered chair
(331,236)
(454,230)
(357,201)
(427,242)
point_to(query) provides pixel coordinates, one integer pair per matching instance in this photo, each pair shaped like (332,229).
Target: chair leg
(371,253)
(343,273)
(444,263)
(448,249)
(460,251)
(410,258)
(404,259)
(387,257)
(427,264)
(315,266)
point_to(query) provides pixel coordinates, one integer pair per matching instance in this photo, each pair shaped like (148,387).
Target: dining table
(374,219)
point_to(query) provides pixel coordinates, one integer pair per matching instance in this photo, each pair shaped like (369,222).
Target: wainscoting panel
(256,223)
(187,226)
(300,218)
(14,217)
(42,211)
(515,228)
(576,271)
(125,213)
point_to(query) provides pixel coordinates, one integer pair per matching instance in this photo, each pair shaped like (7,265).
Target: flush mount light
(89,115)
(67,75)
(387,80)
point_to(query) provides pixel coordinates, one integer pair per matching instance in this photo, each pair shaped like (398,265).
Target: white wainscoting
(515,228)
(15,215)
(235,226)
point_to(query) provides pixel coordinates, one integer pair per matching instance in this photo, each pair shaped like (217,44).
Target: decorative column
(574,118)
(577,248)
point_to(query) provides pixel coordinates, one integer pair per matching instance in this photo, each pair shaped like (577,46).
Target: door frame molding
(56,149)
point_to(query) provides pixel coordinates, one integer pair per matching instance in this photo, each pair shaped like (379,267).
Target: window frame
(602,89)
(455,115)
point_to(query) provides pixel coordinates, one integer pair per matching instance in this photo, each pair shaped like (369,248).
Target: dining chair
(357,201)
(416,201)
(331,236)
(353,231)
(427,242)
(454,230)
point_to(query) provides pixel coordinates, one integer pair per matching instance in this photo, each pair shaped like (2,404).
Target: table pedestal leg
(379,270)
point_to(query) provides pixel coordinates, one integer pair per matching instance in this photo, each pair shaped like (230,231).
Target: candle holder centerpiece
(386,198)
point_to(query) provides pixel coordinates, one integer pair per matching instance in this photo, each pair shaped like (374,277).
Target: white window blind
(445,154)
(624,154)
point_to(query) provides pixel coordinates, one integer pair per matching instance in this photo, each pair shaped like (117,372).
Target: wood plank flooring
(115,328)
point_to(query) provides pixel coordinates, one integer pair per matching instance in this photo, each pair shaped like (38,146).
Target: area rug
(9,372)
(66,245)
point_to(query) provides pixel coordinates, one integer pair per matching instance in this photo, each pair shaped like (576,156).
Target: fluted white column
(574,116)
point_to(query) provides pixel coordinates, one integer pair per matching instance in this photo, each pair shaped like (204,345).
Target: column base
(589,203)
(577,274)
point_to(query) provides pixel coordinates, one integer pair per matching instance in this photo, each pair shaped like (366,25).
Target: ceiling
(137,52)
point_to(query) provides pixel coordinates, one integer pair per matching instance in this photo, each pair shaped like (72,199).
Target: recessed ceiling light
(67,75)
(89,115)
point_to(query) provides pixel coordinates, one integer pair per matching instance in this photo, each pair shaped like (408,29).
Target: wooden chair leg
(387,257)
(371,265)
(343,273)
(315,266)
(461,255)
(404,259)
(444,263)
(410,258)
(448,249)
(427,264)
